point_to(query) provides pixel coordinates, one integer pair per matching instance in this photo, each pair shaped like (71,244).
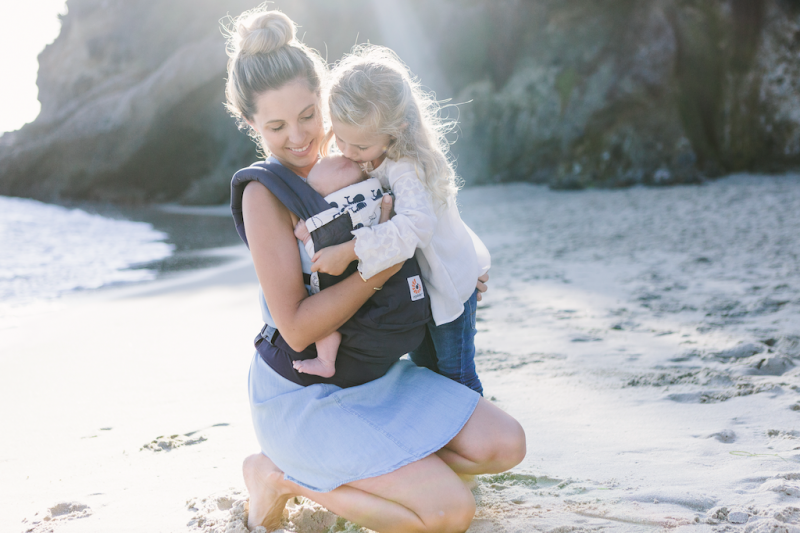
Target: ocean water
(47,250)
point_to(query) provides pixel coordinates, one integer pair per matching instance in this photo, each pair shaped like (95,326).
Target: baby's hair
(372,88)
(265,54)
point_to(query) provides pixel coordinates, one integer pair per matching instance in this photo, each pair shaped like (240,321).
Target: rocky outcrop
(761,111)
(131,108)
(564,92)
(623,92)
(580,107)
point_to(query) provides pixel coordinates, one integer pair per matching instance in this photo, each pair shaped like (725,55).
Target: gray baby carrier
(392,322)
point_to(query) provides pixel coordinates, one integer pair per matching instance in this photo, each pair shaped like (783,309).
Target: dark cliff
(620,92)
(131,95)
(569,93)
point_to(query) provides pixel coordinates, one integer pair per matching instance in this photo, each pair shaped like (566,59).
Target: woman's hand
(334,260)
(387,208)
(481,286)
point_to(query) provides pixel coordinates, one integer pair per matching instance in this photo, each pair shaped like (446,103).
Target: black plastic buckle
(269,334)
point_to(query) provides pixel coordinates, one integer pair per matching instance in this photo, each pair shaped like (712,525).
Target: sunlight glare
(29,26)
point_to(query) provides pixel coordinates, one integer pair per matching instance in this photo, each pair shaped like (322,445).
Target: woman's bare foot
(268,492)
(316,367)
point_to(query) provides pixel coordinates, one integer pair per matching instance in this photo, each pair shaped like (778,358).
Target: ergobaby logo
(415,287)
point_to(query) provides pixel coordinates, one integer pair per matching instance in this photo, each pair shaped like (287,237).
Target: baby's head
(333,173)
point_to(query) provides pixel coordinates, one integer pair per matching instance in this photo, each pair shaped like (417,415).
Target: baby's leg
(325,363)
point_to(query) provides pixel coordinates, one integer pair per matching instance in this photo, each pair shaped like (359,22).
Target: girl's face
(360,144)
(289,123)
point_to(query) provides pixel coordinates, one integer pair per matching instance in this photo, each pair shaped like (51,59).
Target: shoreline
(62,250)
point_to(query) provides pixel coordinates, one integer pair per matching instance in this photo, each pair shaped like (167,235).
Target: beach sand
(647,339)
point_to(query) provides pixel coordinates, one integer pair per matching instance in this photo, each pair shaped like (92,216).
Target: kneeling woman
(386,454)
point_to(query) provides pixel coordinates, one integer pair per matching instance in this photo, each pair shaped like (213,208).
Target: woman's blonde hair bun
(265,32)
(264,54)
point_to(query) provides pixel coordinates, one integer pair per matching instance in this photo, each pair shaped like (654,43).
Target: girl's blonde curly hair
(372,88)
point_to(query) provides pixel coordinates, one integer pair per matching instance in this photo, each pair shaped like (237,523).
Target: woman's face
(360,144)
(290,124)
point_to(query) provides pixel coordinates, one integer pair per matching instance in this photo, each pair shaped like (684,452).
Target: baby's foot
(316,367)
(268,495)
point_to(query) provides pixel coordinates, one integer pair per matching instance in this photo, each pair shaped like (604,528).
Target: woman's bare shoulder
(259,205)
(257,192)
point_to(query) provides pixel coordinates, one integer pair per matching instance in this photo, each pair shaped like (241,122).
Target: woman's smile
(300,151)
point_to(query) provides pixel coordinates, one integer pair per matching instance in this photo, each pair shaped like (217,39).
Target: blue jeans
(449,349)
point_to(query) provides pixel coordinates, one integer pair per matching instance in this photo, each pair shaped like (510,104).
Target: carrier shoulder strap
(290,189)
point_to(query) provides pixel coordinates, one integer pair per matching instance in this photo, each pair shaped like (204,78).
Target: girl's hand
(482,285)
(334,260)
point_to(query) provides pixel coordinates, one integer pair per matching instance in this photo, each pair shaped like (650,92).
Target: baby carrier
(392,322)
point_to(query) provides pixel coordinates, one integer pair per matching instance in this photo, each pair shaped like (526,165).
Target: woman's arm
(302,320)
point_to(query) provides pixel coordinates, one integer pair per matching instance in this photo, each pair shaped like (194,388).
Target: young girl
(384,121)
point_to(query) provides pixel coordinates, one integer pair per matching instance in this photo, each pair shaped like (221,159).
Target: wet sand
(647,339)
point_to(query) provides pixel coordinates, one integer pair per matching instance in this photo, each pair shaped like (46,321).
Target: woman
(386,454)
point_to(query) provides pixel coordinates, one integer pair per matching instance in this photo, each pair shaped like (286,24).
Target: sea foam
(47,250)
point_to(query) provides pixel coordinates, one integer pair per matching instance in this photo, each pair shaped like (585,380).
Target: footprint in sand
(769,365)
(226,512)
(166,444)
(781,486)
(726,435)
(58,513)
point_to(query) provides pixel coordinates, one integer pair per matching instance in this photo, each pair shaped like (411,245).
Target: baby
(350,192)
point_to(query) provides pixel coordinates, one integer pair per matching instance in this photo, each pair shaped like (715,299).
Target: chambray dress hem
(343,426)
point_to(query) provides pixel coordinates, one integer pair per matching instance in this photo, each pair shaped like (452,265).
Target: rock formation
(131,95)
(622,92)
(564,92)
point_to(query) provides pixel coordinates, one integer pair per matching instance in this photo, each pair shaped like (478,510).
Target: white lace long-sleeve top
(450,255)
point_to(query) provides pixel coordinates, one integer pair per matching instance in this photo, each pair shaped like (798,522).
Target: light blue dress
(323,436)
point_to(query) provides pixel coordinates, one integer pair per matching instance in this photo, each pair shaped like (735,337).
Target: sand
(647,339)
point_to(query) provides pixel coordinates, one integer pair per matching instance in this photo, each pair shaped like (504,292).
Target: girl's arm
(301,319)
(412,227)
(384,245)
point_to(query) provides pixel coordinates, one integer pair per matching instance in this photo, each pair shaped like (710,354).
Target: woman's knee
(513,447)
(453,517)
(507,447)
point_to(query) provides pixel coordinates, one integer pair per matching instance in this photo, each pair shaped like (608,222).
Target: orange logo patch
(415,288)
